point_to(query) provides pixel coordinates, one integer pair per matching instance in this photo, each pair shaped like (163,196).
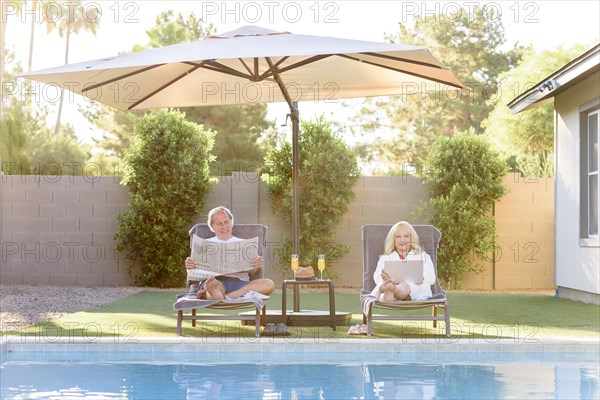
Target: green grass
(522,317)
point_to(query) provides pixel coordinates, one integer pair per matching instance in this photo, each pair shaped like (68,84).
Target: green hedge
(329,171)
(466,180)
(167,171)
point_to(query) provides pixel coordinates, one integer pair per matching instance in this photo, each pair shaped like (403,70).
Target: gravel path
(24,305)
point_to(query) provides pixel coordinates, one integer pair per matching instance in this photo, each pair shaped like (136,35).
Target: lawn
(522,317)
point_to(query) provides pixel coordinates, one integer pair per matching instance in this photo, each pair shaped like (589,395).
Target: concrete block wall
(525,226)
(58,230)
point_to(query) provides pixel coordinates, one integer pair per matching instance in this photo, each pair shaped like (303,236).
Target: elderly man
(220,221)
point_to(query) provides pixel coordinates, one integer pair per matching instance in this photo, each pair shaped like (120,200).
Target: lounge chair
(373,238)
(189,302)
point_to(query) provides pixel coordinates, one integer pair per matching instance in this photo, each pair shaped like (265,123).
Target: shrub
(329,171)
(167,170)
(466,180)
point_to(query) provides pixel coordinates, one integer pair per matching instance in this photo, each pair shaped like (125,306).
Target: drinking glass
(321,263)
(294,264)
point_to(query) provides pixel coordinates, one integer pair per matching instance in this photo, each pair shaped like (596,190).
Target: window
(589,166)
(592,200)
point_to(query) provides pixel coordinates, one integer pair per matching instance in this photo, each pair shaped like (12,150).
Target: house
(575,90)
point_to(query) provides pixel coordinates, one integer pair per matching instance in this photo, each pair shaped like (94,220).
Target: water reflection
(391,381)
(267,380)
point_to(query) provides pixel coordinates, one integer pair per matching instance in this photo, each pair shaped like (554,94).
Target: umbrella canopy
(254,65)
(243,66)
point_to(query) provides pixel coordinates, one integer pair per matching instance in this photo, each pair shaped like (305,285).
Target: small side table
(296,292)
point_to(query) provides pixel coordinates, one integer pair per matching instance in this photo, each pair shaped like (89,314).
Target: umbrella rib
(292,66)
(245,65)
(218,67)
(275,73)
(403,71)
(267,73)
(121,77)
(426,64)
(163,87)
(211,65)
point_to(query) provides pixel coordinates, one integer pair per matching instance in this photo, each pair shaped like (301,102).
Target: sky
(123,24)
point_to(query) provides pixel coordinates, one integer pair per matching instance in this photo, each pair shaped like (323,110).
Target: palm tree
(74,20)
(20,8)
(3,16)
(35,5)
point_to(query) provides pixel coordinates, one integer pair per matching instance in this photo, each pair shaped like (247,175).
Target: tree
(467,42)
(4,9)
(19,121)
(28,145)
(329,173)
(116,125)
(20,7)
(59,153)
(13,144)
(172,29)
(74,19)
(466,180)
(13,140)
(167,171)
(239,129)
(527,138)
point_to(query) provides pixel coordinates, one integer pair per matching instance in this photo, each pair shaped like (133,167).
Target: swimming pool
(280,370)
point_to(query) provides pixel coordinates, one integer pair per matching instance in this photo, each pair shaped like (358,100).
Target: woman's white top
(417,292)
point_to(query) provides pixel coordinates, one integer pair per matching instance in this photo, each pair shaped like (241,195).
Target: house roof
(543,92)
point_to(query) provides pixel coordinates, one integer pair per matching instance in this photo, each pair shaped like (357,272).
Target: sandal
(276,330)
(358,329)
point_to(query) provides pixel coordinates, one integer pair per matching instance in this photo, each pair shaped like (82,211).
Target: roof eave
(570,74)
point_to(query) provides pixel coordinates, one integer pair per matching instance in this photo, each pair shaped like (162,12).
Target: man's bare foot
(214,289)
(208,280)
(388,289)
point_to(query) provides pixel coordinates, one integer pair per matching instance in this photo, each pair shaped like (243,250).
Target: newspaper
(221,258)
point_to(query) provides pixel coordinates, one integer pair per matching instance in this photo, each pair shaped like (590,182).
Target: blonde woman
(402,243)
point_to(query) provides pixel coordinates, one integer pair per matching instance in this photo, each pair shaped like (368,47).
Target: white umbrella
(254,65)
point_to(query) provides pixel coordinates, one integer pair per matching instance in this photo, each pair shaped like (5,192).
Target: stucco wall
(59,230)
(576,263)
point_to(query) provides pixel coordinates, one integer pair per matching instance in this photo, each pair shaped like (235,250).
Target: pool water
(299,380)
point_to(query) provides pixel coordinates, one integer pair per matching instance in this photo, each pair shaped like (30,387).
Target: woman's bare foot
(388,289)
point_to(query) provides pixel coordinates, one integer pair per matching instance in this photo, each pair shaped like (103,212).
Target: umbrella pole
(295,115)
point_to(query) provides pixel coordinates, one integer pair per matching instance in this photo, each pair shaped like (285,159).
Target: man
(220,221)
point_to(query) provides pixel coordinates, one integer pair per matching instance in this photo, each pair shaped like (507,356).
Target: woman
(402,243)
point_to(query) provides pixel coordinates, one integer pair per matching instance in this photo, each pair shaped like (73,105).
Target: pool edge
(281,349)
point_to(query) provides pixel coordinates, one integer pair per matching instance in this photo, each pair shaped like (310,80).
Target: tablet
(405,270)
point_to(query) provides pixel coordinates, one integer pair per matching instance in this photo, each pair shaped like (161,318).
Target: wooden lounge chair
(188,302)
(373,239)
